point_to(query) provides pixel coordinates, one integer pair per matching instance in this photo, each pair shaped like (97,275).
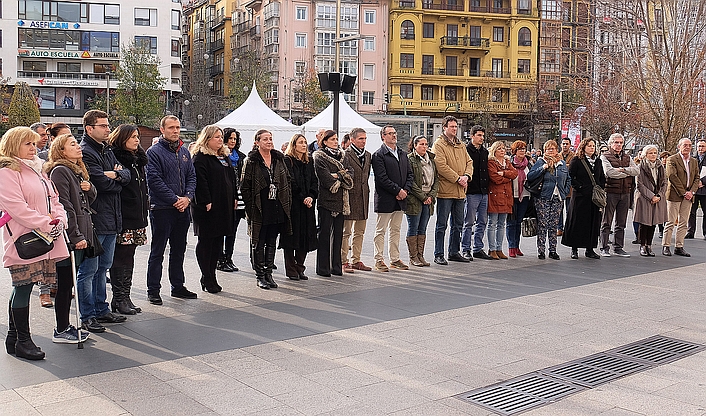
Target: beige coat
(676,174)
(359,195)
(452,161)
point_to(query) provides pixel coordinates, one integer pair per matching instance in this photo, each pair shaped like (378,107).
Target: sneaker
(69,336)
(397,264)
(605,252)
(183,293)
(381,266)
(620,252)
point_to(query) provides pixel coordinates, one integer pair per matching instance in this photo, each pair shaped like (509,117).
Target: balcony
(443,5)
(489,9)
(465,42)
(217,45)
(450,72)
(255,31)
(219,20)
(61,75)
(243,27)
(497,74)
(216,70)
(407,4)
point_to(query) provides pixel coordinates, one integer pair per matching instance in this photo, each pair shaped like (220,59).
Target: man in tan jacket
(683,176)
(455,169)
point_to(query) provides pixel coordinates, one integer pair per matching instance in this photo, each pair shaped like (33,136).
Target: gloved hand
(56,230)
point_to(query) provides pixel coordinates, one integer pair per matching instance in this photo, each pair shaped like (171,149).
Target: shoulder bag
(33,244)
(598,194)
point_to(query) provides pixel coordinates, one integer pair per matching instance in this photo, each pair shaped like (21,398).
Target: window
(427,92)
(271,37)
(497,68)
(450,93)
(369,44)
(300,40)
(301,12)
(452,66)
(474,67)
(176,47)
(100,41)
(326,16)
(523,6)
(324,44)
(68,67)
(406,60)
(427,64)
(428,30)
(369,97)
(370,17)
(524,37)
(523,66)
(349,17)
(498,95)
(498,34)
(551,9)
(176,18)
(474,94)
(407,30)
(147,42)
(103,68)
(407,91)
(108,14)
(368,71)
(523,95)
(299,68)
(34,66)
(145,17)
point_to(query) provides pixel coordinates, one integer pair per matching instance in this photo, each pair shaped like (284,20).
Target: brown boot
(413,253)
(421,239)
(493,254)
(501,255)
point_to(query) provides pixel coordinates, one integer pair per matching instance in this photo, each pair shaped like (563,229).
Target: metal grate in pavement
(595,370)
(546,386)
(658,350)
(520,394)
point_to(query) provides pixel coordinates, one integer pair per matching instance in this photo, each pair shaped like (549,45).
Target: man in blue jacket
(109,177)
(171,180)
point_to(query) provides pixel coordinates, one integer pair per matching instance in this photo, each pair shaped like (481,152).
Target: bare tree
(659,49)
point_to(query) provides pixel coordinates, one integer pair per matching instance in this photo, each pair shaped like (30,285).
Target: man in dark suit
(700,196)
(393,181)
(359,161)
(683,176)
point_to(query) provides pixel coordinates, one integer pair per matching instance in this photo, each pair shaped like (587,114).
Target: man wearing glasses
(109,177)
(43,143)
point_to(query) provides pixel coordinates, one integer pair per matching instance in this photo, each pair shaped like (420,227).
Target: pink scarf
(520,166)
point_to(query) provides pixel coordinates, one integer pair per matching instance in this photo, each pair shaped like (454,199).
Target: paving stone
(56,391)
(97,404)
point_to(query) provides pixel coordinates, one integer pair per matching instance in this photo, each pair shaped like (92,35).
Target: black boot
(574,253)
(119,303)
(257,256)
(128,288)
(11,332)
(24,347)
(270,250)
(209,284)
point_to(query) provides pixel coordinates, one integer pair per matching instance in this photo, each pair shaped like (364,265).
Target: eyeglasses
(392,132)
(105,126)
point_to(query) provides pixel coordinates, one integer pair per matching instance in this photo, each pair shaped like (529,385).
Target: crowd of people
(93,198)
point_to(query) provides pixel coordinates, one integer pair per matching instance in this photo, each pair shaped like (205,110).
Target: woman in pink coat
(29,198)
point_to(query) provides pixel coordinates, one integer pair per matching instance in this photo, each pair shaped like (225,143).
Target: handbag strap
(46,192)
(590,174)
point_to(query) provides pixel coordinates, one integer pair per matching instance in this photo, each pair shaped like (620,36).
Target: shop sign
(45,53)
(43,24)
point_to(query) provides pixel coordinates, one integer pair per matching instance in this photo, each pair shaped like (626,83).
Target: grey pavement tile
(374,361)
(641,402)
(168,405)
(340,348)
(574,405)
(343,378)
(206,384)
(221,356)
(246,367)
(56,391)
(302,361)
(277,411)
(354,410)
(278,382)
(9,396)
(429,409)
(685,391)
(182,367)
(128,384)
(18,408)
(616,411)
(98,404)
(386,397)
(238,402)
(465,407)
(315,400)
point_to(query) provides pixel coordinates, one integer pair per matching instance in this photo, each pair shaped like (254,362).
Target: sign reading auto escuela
(46,53)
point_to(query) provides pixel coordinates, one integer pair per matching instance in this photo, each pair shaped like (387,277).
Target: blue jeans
(417,224)
(476,213)
(496,231)
(168,225)
(446,207)
(514,226)
(90,280)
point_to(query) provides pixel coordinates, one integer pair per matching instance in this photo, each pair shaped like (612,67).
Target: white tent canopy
(254,115)
(348,119)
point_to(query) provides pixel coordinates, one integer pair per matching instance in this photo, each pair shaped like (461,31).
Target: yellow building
(475,59)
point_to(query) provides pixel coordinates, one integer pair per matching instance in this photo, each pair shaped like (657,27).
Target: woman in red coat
(500,198)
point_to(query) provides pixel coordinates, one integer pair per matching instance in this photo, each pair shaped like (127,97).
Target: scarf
(344,180)
(359,153)
(334,153)
(591,161)
(34,164)
(652,166)
(521,176)
(552,162)
(234,157)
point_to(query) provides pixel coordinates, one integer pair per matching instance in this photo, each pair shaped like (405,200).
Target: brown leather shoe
(494,255)
(45,299)
(381,266)
(397,264)
(361,266)
(501,255)
(348,268)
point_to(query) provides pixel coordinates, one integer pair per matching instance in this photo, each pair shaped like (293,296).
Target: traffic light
(458,107)
(387,98)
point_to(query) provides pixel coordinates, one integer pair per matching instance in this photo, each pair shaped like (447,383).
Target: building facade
(66,50)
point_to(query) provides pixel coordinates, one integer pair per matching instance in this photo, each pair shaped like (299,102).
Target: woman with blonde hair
(650,198)
(214,204)
(551,170)
(500,197)
(521,196)
(31,202)
(305,190)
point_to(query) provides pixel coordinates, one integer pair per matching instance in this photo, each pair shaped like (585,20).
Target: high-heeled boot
(270,250)
(11,338)
(128,289)
(119,303)
(257,257)
(24,347)
(421,241)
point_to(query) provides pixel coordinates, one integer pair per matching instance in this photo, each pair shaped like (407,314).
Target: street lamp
(561,109)
(290,99)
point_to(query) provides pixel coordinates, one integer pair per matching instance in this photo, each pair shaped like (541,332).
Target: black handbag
(534,187)
(598,194)
(94,249)
(30,245)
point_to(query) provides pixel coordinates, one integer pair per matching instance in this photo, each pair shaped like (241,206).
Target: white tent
(254,115)
(348,119)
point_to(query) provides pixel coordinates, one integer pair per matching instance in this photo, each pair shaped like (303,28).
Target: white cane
(73,275)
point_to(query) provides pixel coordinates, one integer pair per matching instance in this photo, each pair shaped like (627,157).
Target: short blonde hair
(494,148)
(206,134)
(550,143)
(12,140)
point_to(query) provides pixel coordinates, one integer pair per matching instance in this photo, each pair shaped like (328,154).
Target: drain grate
(546,386)
(595,370)
(520,394)
(658,350)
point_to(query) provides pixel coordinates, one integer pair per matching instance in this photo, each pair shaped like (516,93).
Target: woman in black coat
(125,140)
(231,138)
(583,218)
(213,208)
(304,193)
(334,182)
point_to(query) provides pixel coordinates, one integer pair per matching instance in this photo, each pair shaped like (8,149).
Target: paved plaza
(371,343)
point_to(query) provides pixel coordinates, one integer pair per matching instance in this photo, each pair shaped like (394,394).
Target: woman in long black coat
(214,204)
(231,138)
(583,219)
(134,200)
(304,194)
